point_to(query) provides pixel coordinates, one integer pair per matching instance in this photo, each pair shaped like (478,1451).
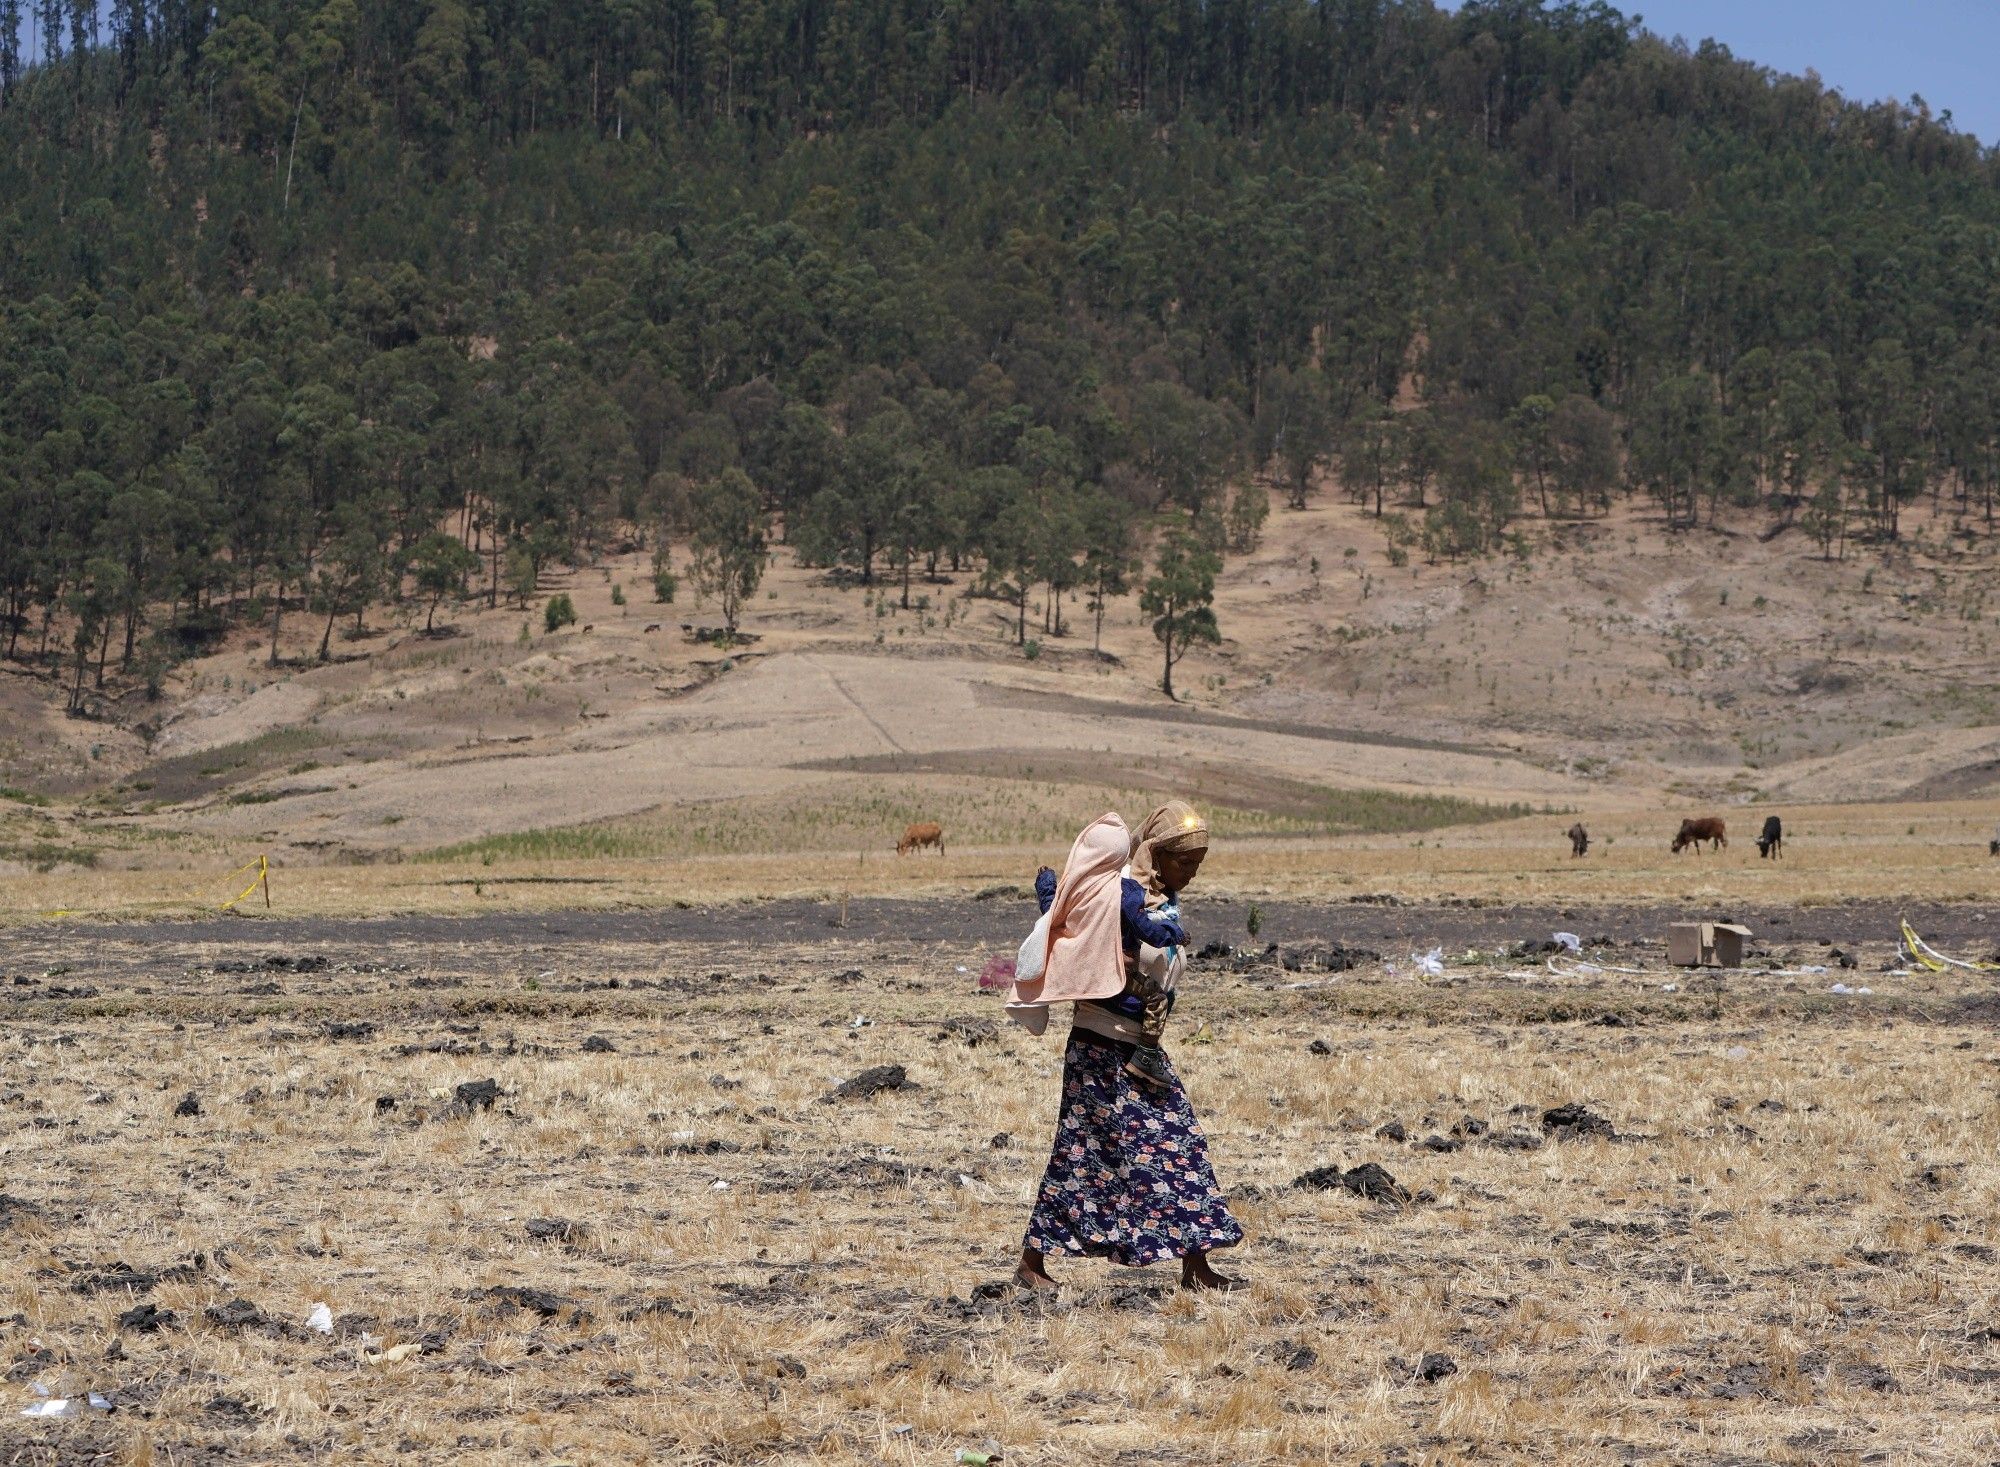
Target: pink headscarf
(1086,958)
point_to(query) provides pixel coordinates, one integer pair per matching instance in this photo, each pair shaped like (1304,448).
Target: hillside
(1545,414)
(1619,670)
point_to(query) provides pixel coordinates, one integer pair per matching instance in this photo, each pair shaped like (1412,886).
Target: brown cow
(916,837)
(1579,841)
(1694,832)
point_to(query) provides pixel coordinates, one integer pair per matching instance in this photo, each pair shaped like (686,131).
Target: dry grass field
(646,887)
(672,1249)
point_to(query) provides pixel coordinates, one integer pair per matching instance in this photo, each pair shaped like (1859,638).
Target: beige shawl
(1086,957)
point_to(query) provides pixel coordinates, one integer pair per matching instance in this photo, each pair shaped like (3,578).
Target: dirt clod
(1370,1180)
(598,1044)
(519,1296)
(146,1318)
(972,1032)
(1576,1122)
(872,1081)
(1434,1367)
(190,1105)
(478,1094)
(236,1314)
(557,1230)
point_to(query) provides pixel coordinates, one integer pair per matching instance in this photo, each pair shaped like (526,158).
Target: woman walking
(1128,1177)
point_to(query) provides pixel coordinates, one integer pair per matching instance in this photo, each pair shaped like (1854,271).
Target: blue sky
(1944,50)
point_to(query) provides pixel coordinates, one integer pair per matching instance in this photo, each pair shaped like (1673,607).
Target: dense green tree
(728,542)
(291,289)
(1180,597)
(439,563)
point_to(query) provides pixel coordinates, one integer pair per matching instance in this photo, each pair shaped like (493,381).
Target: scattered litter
(998,973)
(1842,988)
(1915,950)
(1706,944)
(1570,941)
(320,1319)
(1203,1035)
(395,1354)
(63,1406)
(1670,988)
(1574,968)
(860,1021)
(963,969)
(718,1186)
(905,1429)
(968,1457)
(1431,964)
(1736,1052)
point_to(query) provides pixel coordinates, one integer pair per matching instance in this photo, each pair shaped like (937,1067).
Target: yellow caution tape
(263,867)
(1929,957)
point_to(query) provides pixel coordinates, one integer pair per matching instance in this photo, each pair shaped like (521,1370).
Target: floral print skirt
(1128,1177)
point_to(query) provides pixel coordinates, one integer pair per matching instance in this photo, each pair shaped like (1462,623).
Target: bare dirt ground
(659,1243)
(1614,668)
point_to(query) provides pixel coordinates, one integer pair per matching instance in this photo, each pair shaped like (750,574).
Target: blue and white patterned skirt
(1128,1177)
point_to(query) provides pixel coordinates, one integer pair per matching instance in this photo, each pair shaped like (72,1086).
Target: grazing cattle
(1772,842)
(929,833)
(1579,840)
(1694,832)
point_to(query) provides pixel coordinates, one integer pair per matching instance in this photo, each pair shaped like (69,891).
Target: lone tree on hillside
(440,563)
(728,559)
(1180,598)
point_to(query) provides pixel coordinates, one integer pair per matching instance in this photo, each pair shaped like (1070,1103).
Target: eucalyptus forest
(306,307)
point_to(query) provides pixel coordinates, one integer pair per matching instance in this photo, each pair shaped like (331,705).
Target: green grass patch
(23,797)
(867,817)
(1379,812)
(47,855)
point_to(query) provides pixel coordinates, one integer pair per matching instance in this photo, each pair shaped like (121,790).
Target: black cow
(1579,840)
(1772,842)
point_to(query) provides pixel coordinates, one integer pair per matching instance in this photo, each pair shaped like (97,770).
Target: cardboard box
(1706,944)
